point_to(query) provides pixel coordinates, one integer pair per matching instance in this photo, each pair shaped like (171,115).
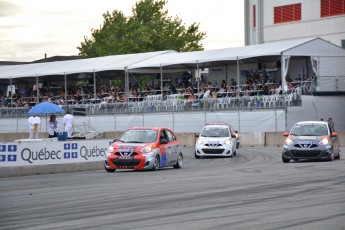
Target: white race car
(216,139)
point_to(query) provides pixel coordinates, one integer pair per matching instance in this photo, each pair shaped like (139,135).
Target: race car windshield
(309,130)
(139,136)
(215,132)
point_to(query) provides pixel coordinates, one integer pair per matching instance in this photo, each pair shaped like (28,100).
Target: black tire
(237,145)
(235,153)
(196,156)
(156,163)
(285,160)
(331,157)
(109,170)
(179,161)
(337,157)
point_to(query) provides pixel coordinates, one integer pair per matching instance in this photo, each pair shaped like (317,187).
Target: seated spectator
(188,102)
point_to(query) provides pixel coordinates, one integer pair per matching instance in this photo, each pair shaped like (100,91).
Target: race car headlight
(199,141)
(228,141)
(324,141)
(288,141)
(110,150)
(147,149)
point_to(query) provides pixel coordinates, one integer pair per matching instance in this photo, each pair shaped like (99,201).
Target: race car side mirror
(334,134)
(285,134)
(115,140)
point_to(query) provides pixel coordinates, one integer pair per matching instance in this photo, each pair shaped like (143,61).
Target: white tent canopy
(114,62)
(299,47)
(330,60)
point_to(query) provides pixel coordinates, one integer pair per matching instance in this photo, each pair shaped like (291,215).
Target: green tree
(148,29)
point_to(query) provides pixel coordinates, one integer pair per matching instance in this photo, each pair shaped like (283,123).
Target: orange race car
(144,148)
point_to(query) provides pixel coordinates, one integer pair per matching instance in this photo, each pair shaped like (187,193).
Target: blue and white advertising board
(45,152)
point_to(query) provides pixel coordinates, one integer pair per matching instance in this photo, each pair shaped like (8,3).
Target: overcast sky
(31,28)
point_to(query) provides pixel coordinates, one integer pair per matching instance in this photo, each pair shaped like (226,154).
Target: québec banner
(45,152)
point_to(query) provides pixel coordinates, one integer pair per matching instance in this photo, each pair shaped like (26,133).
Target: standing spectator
(68,122)
(206,97)
(34,122)
(331,122)
(53,128)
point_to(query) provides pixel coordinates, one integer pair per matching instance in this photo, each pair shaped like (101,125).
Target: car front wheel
(196,156)
(179,161)
(156,163)
(109,170)
(285,160)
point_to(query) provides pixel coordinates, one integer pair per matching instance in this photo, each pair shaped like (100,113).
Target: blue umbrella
(45,108)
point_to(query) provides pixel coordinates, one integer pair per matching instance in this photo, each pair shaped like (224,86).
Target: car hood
(128,147)
(214,139)
(302,139)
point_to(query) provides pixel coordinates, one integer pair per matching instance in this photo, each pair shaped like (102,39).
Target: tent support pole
(238,76)
(226,73)
(126,84)
(94,85)
(65,102)
(161,70)
(11,90)
(37,90)
(198,81)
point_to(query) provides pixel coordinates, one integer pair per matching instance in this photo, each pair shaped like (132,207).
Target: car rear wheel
(179,161)
(156,163)
(285,160)
(196,156)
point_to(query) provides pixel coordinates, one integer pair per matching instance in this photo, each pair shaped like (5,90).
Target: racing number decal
(163,156)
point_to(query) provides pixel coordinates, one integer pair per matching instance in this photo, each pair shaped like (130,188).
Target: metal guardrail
(173,105)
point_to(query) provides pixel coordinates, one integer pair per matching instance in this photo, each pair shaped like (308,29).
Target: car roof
(217,124)
(143,127)
(312,122)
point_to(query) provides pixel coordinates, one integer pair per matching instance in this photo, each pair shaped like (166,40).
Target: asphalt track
(253,190)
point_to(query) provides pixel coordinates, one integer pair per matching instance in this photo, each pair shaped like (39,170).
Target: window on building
(254,16)
(332,7)
(288,13)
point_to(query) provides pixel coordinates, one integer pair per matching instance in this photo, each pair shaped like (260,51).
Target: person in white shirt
(34,122)
(206,97)
(68,122)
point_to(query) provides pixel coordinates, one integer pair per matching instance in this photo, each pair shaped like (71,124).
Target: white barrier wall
(51,151)
(243,121)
